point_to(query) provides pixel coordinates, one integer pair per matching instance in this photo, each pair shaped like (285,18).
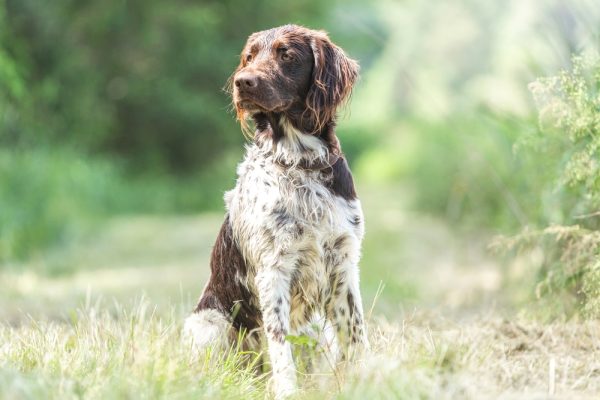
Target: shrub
(569,135)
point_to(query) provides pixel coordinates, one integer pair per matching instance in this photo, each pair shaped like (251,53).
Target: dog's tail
(208,329)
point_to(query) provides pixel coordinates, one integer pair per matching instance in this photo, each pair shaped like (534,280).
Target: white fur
(207,329)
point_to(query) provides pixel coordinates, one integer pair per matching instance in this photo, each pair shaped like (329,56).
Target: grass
(116,353)
(136,352)
(109,325)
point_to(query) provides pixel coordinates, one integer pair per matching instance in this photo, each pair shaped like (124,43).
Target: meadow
(442,321)
(476,152)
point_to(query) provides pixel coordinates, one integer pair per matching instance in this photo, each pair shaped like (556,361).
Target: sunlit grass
(110,351)
(109,326)
(115,352)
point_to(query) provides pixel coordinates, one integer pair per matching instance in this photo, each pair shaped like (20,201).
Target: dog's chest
(290,221)
(295,204)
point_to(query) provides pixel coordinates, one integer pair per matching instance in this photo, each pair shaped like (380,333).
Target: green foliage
(302,341)
(570,119)
(570,133)
(43,192)
(465,169)
(51,195)
(140,79)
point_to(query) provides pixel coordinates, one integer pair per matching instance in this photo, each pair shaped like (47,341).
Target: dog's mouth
(250,107)
(253,107)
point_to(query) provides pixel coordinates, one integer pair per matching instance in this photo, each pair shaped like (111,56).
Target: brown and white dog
(288,250)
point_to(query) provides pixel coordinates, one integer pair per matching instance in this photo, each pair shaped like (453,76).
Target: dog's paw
(283,384)
(283,390)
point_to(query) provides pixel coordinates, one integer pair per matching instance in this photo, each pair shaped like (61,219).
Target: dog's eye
(285,56)
(249,58)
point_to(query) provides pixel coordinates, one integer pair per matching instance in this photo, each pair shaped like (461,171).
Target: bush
(569,135)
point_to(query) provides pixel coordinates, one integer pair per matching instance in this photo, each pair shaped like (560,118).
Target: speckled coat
(287,252)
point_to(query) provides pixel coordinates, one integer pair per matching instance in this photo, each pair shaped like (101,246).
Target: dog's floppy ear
(334,75)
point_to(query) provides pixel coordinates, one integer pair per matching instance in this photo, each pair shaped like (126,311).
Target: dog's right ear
(334,75)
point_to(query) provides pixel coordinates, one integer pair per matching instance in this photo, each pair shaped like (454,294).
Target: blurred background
(478,175)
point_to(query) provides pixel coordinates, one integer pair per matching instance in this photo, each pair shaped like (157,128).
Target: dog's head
(295,71)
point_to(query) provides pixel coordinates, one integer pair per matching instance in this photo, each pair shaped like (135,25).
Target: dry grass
(111,327)
(135,352)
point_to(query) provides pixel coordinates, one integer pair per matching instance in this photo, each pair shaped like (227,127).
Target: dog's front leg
(344,308)
(273,285)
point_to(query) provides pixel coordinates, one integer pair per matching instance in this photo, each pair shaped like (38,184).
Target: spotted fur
(288,249)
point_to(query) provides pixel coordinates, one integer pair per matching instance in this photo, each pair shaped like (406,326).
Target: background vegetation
(473,135)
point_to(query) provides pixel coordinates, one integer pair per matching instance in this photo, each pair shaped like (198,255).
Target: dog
(289,248)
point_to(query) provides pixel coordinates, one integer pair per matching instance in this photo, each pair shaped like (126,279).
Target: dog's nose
(246,80)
